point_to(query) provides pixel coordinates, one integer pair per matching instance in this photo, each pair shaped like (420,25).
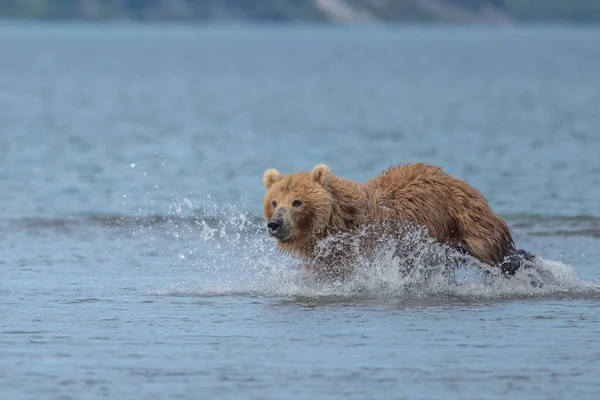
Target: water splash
(232,255)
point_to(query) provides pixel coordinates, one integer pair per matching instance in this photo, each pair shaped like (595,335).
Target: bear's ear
(321,174)
(270,177)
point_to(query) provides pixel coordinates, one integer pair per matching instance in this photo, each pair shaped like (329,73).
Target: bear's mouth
(281,236)
(285,239)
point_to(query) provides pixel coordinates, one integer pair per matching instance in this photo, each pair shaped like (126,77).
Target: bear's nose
(274,225)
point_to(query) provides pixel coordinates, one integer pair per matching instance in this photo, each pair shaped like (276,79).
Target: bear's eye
(297,203)
(274,204)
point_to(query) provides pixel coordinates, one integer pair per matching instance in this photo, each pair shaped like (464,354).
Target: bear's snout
(274,225)
(278,227)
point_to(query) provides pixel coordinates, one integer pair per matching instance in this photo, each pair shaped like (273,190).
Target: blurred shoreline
(369,12)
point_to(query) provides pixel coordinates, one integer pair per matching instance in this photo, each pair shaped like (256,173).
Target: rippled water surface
(134,262)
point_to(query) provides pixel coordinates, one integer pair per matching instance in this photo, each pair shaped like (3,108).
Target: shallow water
(135,263)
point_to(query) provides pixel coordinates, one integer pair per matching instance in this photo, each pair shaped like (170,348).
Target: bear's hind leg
(516,260)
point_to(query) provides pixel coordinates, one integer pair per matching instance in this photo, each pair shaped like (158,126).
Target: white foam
(236,258)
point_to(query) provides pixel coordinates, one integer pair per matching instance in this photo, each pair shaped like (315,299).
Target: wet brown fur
(452,211)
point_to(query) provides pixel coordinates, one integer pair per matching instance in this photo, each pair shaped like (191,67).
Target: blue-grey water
(134,263)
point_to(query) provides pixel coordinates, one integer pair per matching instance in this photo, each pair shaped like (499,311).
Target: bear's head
(297,206)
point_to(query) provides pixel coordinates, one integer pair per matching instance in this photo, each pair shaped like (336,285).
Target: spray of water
(230,253)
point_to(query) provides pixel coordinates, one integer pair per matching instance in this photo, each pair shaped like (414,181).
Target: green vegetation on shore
(346,11)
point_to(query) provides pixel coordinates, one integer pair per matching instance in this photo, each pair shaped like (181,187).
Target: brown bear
(304,207)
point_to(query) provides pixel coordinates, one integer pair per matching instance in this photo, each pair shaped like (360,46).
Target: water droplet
(132,165)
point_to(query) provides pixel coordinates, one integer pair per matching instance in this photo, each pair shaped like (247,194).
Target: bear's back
(451,209)
(422,194)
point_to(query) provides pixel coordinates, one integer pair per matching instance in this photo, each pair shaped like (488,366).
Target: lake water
(134,263)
